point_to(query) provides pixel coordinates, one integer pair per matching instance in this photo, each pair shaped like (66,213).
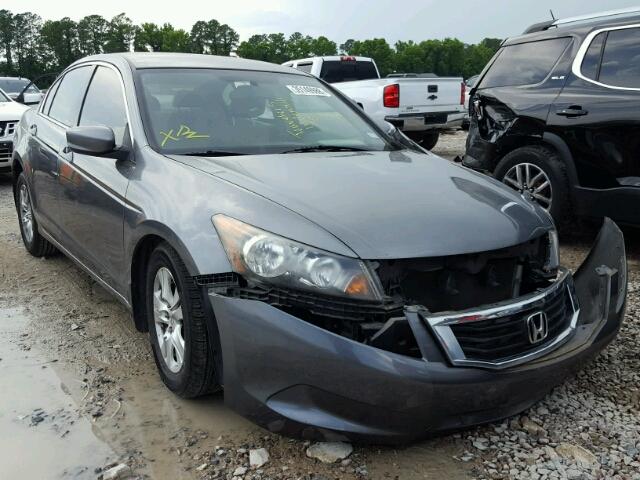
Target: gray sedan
(335,279)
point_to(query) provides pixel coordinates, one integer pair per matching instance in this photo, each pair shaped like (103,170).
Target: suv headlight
(553,252)
(268,258)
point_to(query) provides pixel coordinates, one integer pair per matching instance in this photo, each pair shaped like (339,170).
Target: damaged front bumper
(297,379)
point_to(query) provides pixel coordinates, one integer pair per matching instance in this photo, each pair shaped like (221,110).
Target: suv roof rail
(623,12)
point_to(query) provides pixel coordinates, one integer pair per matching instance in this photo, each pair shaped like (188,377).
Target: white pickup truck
(419,106)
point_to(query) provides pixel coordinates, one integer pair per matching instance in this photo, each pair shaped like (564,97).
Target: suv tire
(35,243)
(542,160)
(177,319)
(427,139)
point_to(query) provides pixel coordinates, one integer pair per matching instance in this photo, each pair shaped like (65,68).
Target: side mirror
(91,140)
(20,98)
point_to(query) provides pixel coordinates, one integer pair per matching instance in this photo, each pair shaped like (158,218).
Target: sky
(339,20)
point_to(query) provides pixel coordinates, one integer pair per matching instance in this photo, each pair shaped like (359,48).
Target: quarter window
(104,104)
(591,61)
(68,100)
(621,59)
(524,63)
(305,67)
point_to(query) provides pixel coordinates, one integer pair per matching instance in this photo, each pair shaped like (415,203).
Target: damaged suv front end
(412,346)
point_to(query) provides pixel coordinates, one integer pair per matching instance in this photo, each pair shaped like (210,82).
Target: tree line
(31,47)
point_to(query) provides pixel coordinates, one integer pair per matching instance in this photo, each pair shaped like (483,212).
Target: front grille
(6,149)
(505,337)
(497,336)
(8,128)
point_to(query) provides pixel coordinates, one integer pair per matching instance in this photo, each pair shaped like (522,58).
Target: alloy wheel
(530,179)
(26,214)
(168,318)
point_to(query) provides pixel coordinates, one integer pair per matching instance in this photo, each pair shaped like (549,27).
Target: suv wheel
(35,243)
(538,172)
(427,139)
(178,326)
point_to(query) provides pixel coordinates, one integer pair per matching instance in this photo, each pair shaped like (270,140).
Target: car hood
(386,205)
(11,111)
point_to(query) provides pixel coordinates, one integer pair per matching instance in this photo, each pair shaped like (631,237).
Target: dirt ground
(79,392)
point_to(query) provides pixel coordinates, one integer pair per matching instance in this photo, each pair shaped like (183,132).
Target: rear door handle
(572,111)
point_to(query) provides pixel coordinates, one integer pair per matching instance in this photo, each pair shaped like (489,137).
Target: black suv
(556,115)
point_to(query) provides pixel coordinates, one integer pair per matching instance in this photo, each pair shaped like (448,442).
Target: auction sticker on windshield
(308,91)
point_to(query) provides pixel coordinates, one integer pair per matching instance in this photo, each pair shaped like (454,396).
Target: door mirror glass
(97,140)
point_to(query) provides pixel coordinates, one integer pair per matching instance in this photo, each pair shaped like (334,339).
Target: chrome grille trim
(440,325)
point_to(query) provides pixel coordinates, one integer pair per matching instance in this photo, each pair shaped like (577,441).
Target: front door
(92,198)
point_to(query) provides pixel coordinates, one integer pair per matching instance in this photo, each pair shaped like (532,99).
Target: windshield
(213,112)
(16,85)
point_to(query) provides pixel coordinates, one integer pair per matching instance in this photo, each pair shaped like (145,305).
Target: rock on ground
(329,452)
(258,457)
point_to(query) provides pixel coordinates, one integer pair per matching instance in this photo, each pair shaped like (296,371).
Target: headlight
(268,258)
(553,252)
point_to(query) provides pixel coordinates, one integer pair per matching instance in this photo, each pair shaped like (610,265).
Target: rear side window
(68,100)
(335,71)
(621,59)
(305,67)
(524,63)
(104,104)
(591,62)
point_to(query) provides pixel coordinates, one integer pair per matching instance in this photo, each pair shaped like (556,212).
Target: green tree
(148,38)
(347,46)
(213,38)
(379,50)
(120,34)
(27,45)
(174,40)
(323,46)
(92,34)
(269,48)
(7,29)
(60,39)
(299,46)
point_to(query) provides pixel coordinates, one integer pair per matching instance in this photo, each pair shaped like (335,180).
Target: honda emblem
(537,327)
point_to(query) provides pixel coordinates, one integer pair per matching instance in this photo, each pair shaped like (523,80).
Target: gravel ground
(65,324)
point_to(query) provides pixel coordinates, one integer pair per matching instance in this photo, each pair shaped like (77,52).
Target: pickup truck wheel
(35,243)
(538,172)
(426,140)
(178,326)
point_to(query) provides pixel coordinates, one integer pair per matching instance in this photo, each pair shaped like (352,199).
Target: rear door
(598,111)
(93,188)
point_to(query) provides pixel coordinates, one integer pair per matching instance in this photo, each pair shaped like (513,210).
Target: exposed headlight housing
(553,252)
(268,258)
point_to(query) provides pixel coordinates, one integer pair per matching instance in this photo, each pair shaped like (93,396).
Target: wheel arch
(16,169)
(149,238)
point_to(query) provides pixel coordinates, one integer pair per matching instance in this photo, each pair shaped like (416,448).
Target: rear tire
(426,139)
(178,327)
(540,160)
(35,243)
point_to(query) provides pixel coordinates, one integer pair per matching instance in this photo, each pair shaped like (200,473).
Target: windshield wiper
(325,148)
(212,153)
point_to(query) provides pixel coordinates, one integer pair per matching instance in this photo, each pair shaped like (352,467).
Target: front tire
(539,172)
(178,326)
(426,139)
(35,243)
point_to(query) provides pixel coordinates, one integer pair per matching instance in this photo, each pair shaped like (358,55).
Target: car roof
(581,29)
(142,60)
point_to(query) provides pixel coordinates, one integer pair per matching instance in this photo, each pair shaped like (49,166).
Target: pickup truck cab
(420,107)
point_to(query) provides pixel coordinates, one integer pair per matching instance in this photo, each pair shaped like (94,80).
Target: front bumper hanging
(296,379)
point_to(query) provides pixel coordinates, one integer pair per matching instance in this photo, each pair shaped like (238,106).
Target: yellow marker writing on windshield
(183,132)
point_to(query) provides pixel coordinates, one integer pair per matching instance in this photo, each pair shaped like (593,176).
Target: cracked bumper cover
(296,379)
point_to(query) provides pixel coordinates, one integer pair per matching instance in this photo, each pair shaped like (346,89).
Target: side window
(591,62)
(524,63)
(68,100)
(305,67)
(621,59)
(50,94)
(104,103)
